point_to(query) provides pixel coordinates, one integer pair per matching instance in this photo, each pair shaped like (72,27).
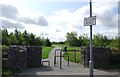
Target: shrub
(115,57)
(5,48)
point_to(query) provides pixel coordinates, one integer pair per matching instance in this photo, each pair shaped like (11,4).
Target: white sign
(90,21)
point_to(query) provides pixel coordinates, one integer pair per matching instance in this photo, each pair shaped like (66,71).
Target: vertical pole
(84,58)
(68,60)
(60,59)
(91,51)
(55,58)
(75,55)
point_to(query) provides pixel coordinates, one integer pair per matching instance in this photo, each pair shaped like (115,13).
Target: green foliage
(48,43)
(12,39)
(84,40)
(46,51)
(25,38)
(100,40)
(115,43)
(72,39)
(7,72)
(5,39)
(5,48)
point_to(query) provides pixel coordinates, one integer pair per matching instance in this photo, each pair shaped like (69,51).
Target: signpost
(89,21)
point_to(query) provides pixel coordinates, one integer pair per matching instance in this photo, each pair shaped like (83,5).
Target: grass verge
(46,51)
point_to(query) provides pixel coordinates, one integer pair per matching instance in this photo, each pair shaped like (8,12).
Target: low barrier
(23,57)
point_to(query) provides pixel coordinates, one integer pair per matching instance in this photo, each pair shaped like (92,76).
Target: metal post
(55,58)
(60,59)
(68,60)
(75,55)
(91,52)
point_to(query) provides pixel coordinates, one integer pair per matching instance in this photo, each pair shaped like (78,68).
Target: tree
(32,39)
(5,40)
(100,40)
(12,38)
(47,42)
(25,38)
(84,40)
(72,39)
(39,41)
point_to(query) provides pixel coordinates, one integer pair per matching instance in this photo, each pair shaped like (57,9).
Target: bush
(5,48)
(115,57)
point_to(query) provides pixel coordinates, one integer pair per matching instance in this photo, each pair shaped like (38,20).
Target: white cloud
(58,24)
(9,24)
(73,21)
(11,12)
(8,11)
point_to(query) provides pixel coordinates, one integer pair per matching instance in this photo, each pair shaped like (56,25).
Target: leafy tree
(13,40)
(25,38)
(5,40)
(115,43)
(39,41)
(47,42)
(84,40)
(32,39)
(19,37)
(72,39)
(100,40)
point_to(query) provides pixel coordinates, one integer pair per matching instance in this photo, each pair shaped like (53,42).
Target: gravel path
(73,69)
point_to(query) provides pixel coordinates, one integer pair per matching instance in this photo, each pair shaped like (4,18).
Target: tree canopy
(98,40)
(25,38)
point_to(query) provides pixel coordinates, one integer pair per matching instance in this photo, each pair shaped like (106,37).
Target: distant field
(46,51)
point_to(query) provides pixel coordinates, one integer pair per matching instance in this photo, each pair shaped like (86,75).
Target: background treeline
(98,40)
(25,38)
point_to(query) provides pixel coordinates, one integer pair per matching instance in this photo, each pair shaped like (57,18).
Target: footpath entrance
(72,69)
(61,55)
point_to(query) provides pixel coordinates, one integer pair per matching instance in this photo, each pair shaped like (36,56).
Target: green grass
(46,51)
(71,54)
(7,72)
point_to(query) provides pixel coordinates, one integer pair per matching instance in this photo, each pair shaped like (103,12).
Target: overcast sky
(54,18)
